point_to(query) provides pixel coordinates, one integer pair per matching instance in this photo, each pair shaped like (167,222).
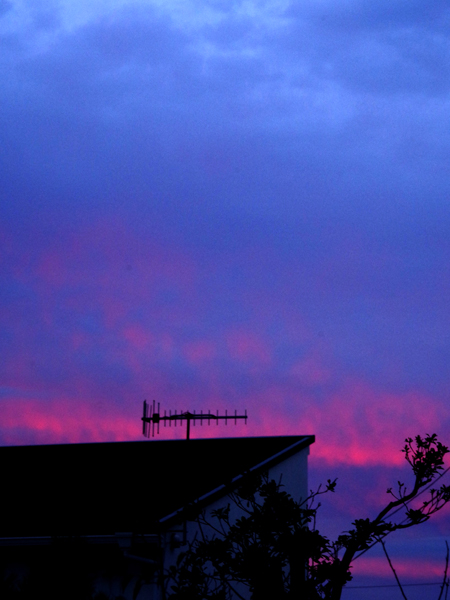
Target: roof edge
(225,489)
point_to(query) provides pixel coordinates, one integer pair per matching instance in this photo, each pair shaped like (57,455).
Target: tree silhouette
(273,549)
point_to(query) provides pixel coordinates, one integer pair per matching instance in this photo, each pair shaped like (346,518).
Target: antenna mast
(152,417)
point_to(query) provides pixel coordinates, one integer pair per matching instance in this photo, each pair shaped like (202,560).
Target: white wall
(294,477)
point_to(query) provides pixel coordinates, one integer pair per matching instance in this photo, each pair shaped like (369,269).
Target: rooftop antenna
(152,418)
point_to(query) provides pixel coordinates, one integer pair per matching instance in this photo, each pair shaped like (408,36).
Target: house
(110,514)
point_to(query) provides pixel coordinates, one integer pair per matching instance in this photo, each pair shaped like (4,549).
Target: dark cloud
(364,15)
(130,94)
(373,47)
(5,6)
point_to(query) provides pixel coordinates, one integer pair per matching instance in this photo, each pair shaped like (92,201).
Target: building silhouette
(110,516)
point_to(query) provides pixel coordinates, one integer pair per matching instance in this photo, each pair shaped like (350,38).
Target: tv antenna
(152,418)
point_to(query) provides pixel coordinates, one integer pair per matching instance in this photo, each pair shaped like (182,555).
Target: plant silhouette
(273,549)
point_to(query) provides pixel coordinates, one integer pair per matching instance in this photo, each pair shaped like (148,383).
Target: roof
(103,488)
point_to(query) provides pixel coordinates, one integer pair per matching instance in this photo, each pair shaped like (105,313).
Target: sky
(228,206)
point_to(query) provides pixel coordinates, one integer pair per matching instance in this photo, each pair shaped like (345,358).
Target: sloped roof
(103,488)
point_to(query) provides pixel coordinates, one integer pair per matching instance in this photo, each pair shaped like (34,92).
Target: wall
(293,473)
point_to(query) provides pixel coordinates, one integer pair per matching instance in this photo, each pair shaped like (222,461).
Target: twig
(445,580)
(393,570)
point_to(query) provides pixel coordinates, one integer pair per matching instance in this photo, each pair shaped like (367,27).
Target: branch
(401,524)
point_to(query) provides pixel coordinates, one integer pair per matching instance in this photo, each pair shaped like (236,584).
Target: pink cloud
(70,420)
(200,352)
(355,425)
(407,568)
(116,258)
(137,336)
(51,269)
(245,346)
(311,370)
(63,421)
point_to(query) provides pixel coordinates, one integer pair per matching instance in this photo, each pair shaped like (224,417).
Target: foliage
(274,549)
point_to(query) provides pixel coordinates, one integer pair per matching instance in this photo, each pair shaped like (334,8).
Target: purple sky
(229,205)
